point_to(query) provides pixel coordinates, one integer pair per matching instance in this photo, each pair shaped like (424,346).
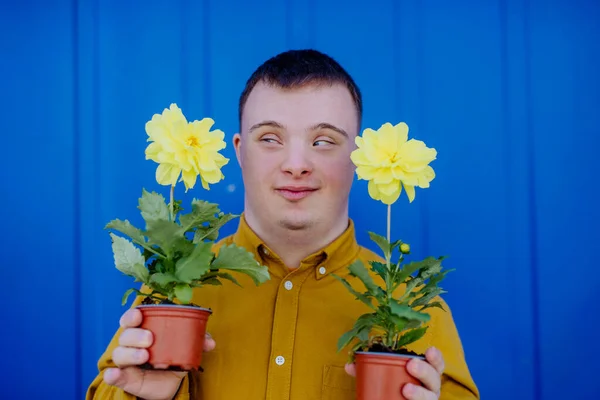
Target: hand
(131,352)
(428,372)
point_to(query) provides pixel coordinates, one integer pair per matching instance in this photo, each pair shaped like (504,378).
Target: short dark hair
(296,68)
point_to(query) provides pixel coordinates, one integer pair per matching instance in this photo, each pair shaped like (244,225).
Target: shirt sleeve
(457,382)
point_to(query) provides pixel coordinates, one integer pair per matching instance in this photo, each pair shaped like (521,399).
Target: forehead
(301,107)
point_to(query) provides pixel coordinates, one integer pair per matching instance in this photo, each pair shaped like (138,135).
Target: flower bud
(405,248)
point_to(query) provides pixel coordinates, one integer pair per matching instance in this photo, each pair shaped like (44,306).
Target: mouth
(295,193)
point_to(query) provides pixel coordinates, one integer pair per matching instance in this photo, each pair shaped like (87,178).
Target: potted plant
(174,254)
(398,302)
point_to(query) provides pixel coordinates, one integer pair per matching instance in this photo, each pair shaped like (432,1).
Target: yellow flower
(389,161)
(185,149)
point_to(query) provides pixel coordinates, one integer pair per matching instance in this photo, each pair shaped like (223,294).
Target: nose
(297,162)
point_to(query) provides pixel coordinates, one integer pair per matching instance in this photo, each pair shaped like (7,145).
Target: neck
(292,246)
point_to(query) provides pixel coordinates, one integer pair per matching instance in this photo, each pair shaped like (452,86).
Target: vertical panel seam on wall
(208,64)
(184,73)
(289,31)
(506,127)
(537,377)
(312,23)
(76,202)
(95,128)
(421,118)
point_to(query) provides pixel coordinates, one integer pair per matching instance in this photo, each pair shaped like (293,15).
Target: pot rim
(175,306)
(391,355)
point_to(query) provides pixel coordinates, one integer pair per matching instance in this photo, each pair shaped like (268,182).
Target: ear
(237,145)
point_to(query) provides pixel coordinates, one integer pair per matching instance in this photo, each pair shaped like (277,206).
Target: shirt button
(288,285)
(279,360)
(322,270)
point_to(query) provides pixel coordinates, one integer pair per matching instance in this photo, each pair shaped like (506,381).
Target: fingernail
(415,367)
(146,338)
(409,388)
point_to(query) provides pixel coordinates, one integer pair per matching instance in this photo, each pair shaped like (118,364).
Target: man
(299,115)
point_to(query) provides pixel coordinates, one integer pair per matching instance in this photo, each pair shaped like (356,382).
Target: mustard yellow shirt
(279,340)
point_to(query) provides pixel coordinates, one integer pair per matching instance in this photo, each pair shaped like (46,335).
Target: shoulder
(226,240)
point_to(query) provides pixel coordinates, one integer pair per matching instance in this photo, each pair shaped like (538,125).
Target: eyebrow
(272,124)
(325,125)
(322,125)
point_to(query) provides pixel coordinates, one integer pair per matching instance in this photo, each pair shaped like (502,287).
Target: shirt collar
(336,255)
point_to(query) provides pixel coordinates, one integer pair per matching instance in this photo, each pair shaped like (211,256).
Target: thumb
(129,379)
(350,369)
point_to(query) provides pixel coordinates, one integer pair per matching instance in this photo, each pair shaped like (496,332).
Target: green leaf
(169,236)
(202,212)
(383,243)
(153,207)
(404,311)
(195,265)
(346,338)
(235,258)
(126,228)
(164,279)
(126,296)
(410,268)
(411,336)
(364,323)
(212,232)
(136,235)
(362,297)
(223,275)
(358,270)
(380,269)
(128,258)
(212,281)
(423,300)
(435,304)
(184,293)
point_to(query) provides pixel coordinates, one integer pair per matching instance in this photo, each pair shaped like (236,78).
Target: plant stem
(171,203)
(389,223)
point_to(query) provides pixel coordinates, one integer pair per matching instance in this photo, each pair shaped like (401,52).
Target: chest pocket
(337,384)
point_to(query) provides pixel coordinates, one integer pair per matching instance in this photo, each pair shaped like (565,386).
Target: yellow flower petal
(189,179)
(410,192)
(167,174)
(402,132)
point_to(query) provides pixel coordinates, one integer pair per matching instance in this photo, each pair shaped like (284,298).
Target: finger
(135,337)
(350,369)
(425,373)
(414,392)
(127,356)
(435,358)
(132,318)
(209,343)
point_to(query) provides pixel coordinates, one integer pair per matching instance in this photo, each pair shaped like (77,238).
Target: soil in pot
(381,374)
(178,332)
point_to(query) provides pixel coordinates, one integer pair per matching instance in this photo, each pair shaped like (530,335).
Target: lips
(295,193)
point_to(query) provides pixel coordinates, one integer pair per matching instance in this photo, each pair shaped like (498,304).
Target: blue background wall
(507,91)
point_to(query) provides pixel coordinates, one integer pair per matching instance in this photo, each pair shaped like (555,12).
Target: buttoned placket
(285,321)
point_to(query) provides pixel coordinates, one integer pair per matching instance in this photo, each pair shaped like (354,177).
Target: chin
(295,221)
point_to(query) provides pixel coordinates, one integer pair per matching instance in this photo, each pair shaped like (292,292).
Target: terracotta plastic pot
(381,376)
(178,335)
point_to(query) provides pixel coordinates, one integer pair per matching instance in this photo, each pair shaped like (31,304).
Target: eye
(323,142)
(269,138)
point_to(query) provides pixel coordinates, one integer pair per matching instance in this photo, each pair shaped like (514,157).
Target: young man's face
(294,150)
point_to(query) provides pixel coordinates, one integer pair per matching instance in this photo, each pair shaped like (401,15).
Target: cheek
(339,174)
(258,169)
